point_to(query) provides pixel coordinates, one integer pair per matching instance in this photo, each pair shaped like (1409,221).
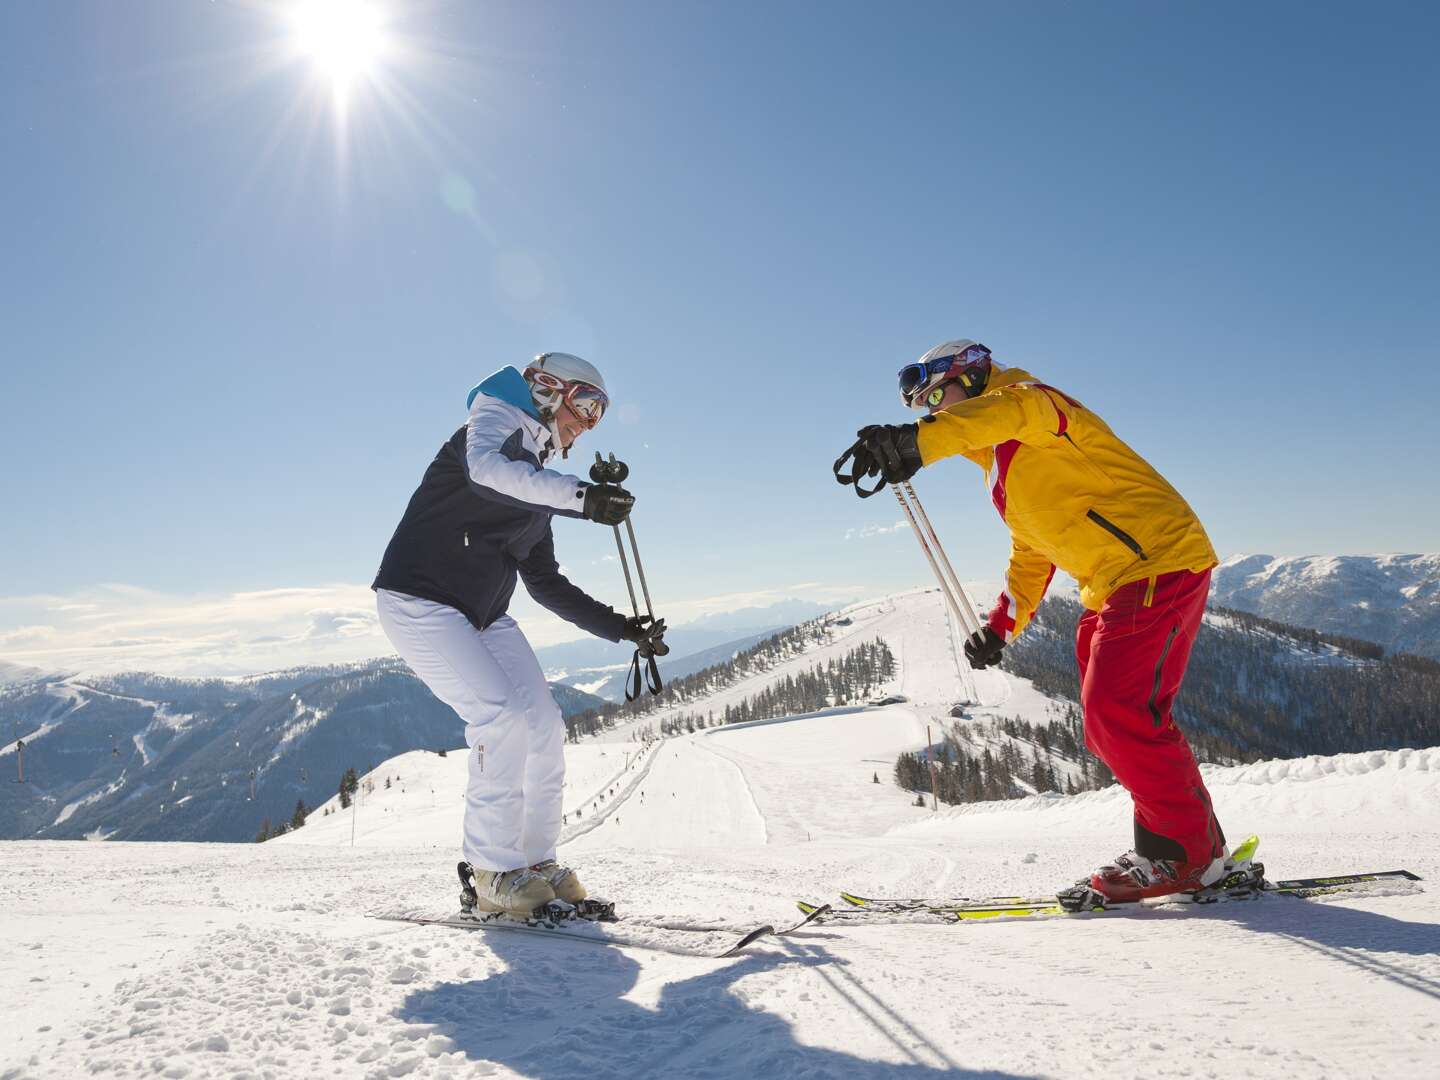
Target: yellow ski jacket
(1073,495)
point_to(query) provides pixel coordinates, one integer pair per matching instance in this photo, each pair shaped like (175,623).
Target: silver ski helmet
(962,360)
(558,378)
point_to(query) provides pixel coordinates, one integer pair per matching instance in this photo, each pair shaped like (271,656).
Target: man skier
(1075,497)
(480,516)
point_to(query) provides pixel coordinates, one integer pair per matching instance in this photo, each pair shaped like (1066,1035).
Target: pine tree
(349,785)
(264,833)
(297,819)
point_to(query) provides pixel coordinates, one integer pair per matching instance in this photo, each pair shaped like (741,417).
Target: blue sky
(237,325)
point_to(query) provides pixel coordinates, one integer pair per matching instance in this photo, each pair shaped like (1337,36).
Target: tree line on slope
(1005,759)
(842,680)
(758,658)
(1255,689)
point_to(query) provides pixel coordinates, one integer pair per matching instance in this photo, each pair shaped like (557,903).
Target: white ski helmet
(961,360)
(566,366)
(558,377)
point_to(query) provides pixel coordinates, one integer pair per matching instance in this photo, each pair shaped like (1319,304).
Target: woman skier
(1076,497)
(480,517)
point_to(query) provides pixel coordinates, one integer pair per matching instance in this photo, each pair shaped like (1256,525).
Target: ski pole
(625,566)
(973,625)
(639,570)
(614,471)
(934,566)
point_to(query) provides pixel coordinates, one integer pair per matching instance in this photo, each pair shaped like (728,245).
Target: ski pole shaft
(639,571)
(929,556)
(625,566)
(974,622)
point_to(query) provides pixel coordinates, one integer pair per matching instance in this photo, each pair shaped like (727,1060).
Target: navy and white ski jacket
(482,513)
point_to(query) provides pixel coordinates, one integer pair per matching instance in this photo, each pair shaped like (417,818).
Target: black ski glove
(649,639)
(983,648)
(609,504)
(894,449)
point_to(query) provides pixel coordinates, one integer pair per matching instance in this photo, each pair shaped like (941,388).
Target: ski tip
(807,908)
(853,900)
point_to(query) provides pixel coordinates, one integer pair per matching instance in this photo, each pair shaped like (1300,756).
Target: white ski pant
(513,727)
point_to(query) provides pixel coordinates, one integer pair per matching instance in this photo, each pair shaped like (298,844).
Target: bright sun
(344,38)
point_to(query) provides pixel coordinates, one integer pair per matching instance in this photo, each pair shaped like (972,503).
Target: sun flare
(343,38)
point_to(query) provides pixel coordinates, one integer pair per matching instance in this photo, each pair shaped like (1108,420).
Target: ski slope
(230,960)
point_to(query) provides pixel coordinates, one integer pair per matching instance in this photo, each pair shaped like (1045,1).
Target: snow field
(256,960)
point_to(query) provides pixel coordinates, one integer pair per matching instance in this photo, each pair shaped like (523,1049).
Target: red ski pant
(1133,654)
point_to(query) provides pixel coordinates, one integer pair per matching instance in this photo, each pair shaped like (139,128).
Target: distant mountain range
(1393,600)
(145,757)
(139,756)
(17,673)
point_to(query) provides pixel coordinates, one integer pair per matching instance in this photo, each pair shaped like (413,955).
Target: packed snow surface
(257,960)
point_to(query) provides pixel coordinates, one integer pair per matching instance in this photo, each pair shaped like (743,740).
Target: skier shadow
(1346,934)
(555,1013)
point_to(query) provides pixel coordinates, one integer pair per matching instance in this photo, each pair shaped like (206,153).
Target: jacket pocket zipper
(1119,534)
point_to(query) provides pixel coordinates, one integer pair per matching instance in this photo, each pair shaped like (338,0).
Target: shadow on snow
(561,1012)
(1347,934)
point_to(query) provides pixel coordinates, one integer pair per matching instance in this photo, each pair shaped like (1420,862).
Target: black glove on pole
(895,449)
(649,637)
(609,504)
(983,648)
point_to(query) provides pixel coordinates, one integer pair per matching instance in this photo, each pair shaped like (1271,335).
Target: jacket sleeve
(553,590)
(1024,413)
(1026,579)
(498,463)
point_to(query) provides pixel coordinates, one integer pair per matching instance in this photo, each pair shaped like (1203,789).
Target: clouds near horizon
(118,627)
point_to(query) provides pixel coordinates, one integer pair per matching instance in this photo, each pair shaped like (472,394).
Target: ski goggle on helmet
(568,379)
(922,384)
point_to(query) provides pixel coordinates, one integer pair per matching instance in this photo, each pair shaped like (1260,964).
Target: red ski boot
(1133,877)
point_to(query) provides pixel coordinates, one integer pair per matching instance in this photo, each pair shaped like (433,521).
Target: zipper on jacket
(1117,532)
(467,537)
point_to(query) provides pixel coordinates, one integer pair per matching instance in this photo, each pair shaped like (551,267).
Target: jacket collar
(1001,376)
(509,386)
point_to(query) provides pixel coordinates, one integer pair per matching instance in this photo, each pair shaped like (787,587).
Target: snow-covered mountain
(1390,599)
(146,757)
(205,960)
(18,673)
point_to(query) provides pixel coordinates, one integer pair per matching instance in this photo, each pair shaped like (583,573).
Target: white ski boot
(564,881)
(509,892)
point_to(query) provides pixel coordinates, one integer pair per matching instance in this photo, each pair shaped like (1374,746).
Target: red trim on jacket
(1004,454)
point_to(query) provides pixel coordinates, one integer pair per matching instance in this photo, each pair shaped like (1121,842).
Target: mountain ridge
(1391,599)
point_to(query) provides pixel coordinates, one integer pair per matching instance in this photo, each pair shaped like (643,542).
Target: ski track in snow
(231,960)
